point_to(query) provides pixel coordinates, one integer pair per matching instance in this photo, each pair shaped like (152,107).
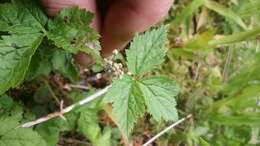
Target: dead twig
(166,130)
(67,109)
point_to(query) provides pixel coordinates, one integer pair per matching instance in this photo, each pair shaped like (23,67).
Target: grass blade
(228,13)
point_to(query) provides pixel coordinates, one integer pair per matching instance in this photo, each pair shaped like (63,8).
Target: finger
(126,17)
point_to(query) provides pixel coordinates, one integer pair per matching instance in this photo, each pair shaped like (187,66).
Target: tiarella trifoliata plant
(25,31)
(131,94)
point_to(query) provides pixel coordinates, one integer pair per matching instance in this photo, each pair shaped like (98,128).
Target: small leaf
(70,30)
(50,131)
(88,125)
(128,103)
(159,93)
(147,51)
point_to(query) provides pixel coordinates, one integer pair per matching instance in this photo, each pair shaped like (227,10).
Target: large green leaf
(24,34)
(147,51)
(159,93)
(128,103)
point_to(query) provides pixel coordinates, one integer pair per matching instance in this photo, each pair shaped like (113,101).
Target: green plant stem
(238,37)
(51,91)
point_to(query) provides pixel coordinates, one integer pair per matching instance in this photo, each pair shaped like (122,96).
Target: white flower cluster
(113,67)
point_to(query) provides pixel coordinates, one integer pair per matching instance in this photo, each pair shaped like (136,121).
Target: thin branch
(67,109)
(166,130)
(69,86)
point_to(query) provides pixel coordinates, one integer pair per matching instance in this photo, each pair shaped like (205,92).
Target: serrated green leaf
(11,135)
(22,16)
(32,8)
(128,103)
(17,47)
(21,137)
(147,51)
(50,131)
(159,93)
(88,125)
(9,118)
(70,30)
(14,62)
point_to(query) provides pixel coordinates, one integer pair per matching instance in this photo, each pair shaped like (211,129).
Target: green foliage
(213,57)
(130,94)
(62,62)
(128,103)
(158,94)
(19,44)
(227,13)
(23,29)
(70,30)
(241,104)
(10,133)
(187,12)
(147,51)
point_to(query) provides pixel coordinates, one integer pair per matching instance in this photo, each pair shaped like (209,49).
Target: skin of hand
(122,20)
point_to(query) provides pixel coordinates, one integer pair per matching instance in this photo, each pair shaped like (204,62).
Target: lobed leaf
(24,35)
(147,51)
(159,93)
(128,103)
(130,94)
(70,31)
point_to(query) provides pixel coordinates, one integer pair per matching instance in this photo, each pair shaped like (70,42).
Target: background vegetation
(213,55)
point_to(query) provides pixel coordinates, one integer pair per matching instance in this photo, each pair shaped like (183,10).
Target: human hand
(121,21)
